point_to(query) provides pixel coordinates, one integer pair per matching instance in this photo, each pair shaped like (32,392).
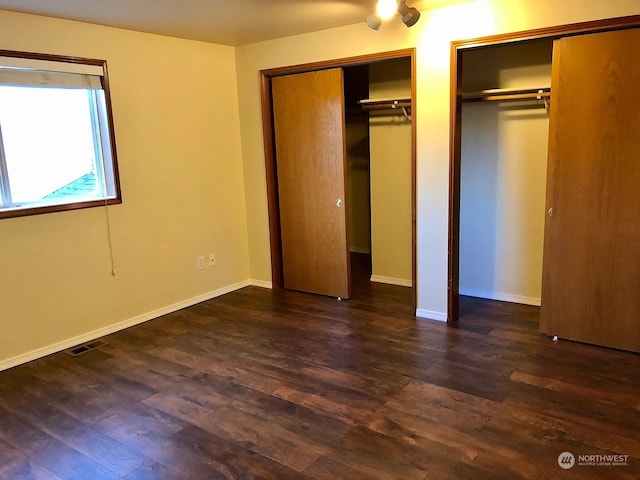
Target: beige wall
(503,175)
(390,140)
(431,37)
(178,140)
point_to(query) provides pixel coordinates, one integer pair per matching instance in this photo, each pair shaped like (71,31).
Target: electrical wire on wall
(99,126)
(109,238)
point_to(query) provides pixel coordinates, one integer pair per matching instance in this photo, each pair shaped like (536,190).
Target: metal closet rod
(386,103)
(503,95)
(401,104)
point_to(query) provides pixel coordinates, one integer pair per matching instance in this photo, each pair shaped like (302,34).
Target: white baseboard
(360,250)
(261,284)
(391,281)
(431,315)
(101,332)
(503,297)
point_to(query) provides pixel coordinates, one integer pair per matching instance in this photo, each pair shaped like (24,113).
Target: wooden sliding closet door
(591,273)
(308,111)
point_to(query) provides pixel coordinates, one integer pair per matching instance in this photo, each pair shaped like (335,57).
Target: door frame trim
(455,135)
(277,276)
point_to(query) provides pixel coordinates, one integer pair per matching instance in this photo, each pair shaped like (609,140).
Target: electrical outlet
(200,263)
(212,259)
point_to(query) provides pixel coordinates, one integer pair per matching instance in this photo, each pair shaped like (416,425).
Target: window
(57,149)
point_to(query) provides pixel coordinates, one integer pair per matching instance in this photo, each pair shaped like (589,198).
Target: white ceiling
(227,22)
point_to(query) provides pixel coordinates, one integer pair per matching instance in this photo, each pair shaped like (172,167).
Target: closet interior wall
(379,170)
(356,87)
(503,174)
(390,145)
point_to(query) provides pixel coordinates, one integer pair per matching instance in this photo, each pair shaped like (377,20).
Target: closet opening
(379,167)
(501,99)
(378,158)
(503,170)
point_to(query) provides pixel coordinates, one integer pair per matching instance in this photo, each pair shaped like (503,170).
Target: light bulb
(386,8)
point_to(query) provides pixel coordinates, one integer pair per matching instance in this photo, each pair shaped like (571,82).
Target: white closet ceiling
(227,22)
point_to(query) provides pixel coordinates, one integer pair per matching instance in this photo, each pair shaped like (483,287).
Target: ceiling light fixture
(385,9)
(373,21)
(410,15)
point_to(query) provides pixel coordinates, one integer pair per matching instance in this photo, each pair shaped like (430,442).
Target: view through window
(56,147)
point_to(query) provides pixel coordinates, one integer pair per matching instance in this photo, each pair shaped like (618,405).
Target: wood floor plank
(257,434)
(239,462)
(467,378)
(445,405)
(81,438)
(349,466)
(25,469)
(346,413)
(360,456)
(615,397)
(558,423)
(427,434)
(156,471)
(69,464)
(11,459)
(581,409)
(529,452)
(21,434)
(170,453)
(544,426)
(286,385)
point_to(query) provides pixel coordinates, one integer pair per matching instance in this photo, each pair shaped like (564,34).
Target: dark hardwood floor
(284,385)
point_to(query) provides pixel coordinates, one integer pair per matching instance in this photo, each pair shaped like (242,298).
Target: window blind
(45,73)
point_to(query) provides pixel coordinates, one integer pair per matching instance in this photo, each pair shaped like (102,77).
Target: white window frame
(33,69)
